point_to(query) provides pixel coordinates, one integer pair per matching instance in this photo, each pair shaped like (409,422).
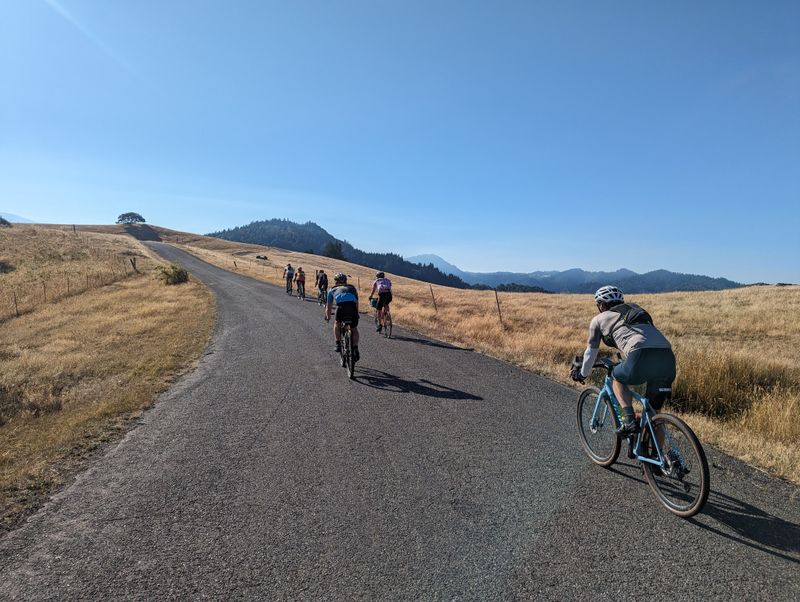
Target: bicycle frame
(645,421)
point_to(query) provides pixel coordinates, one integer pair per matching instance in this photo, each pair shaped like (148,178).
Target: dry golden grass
(738,381)
(43,264)
(74,372)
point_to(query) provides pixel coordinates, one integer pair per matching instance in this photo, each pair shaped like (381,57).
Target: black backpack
(628,316)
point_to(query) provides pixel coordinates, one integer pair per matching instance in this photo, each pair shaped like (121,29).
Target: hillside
(311,238)
(582,281)
(738,384)
(86,343)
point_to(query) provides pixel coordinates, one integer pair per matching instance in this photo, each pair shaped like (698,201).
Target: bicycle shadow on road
(744,523)
(430,343)
(394,384)
(752,526)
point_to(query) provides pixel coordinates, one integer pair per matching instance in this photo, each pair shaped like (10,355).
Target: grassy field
(76,368)
(738,382)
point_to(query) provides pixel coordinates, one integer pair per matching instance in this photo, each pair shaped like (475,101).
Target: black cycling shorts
(654,366)
(384,299)
(347,311)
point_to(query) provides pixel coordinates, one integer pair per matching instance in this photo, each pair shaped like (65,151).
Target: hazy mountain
(310,237)
(15,219)
(437,262)
(582,281)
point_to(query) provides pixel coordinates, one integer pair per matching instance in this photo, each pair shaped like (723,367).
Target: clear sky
(501,135)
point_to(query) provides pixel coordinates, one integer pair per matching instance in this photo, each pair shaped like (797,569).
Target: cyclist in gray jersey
(648,353)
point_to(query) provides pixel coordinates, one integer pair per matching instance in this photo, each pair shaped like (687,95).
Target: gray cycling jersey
(627,338)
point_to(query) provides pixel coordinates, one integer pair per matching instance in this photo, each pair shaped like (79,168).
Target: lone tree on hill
(130,218)
(4,223)
(333,249)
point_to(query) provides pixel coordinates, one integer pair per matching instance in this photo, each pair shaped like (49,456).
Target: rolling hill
(311,238)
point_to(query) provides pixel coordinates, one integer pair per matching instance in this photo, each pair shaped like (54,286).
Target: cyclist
(346,298)
(648,354)
(300,279)
(288,273)
(321,283)
(383,287)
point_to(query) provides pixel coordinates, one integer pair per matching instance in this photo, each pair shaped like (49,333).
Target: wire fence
(55,284)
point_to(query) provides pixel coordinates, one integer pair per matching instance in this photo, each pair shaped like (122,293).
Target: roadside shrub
(5,267)
(172,274)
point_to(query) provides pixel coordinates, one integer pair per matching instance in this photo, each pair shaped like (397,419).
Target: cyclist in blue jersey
(346,298)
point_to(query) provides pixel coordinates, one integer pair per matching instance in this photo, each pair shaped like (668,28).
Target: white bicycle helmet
(340,277)
(608,294)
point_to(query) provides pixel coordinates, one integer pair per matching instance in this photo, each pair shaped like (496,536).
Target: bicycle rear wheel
(387,323)
(597,435)
(348,344)
(683,483)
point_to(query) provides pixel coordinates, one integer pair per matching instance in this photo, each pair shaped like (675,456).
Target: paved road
(438,474)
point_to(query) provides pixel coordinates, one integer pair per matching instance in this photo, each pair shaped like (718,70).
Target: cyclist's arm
(328,304)
(372,292)
(592,348)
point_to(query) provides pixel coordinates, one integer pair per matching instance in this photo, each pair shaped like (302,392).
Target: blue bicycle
(670,454)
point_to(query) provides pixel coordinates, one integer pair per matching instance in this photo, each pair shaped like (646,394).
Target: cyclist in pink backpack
(383,288)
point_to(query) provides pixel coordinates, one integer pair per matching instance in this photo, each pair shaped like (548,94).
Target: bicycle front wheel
(596,429)
(682,482)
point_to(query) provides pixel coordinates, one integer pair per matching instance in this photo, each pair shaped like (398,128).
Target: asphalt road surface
(438,473)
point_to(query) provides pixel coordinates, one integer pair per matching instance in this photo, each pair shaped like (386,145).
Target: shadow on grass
(739,521)
(394,384)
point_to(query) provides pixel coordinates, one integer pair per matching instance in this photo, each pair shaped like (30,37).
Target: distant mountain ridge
(310,237)
(582,281)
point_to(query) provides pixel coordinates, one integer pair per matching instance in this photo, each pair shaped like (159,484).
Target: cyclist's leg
(659,369)
(627,373)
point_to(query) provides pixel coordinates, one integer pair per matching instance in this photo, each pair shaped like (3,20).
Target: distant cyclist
(322,284)
(346,298)
(288,273)
(648,353)
(300,280)
(383,288)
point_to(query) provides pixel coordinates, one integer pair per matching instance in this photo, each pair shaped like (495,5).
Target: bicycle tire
(603,435)
(671,488)
(351,365)
(387,323)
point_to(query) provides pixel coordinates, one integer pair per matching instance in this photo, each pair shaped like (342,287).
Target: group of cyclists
(648,356)
(345,297)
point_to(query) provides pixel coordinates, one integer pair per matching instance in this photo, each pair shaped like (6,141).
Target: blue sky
(500,135)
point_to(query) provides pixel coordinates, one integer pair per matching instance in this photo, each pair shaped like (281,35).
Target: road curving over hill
(439,473)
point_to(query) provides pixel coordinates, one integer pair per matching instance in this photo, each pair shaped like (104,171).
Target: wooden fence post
(87,282)
(499,313)
(435,308)
(67,285)
(44,291)
(16,307)
(235,267)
